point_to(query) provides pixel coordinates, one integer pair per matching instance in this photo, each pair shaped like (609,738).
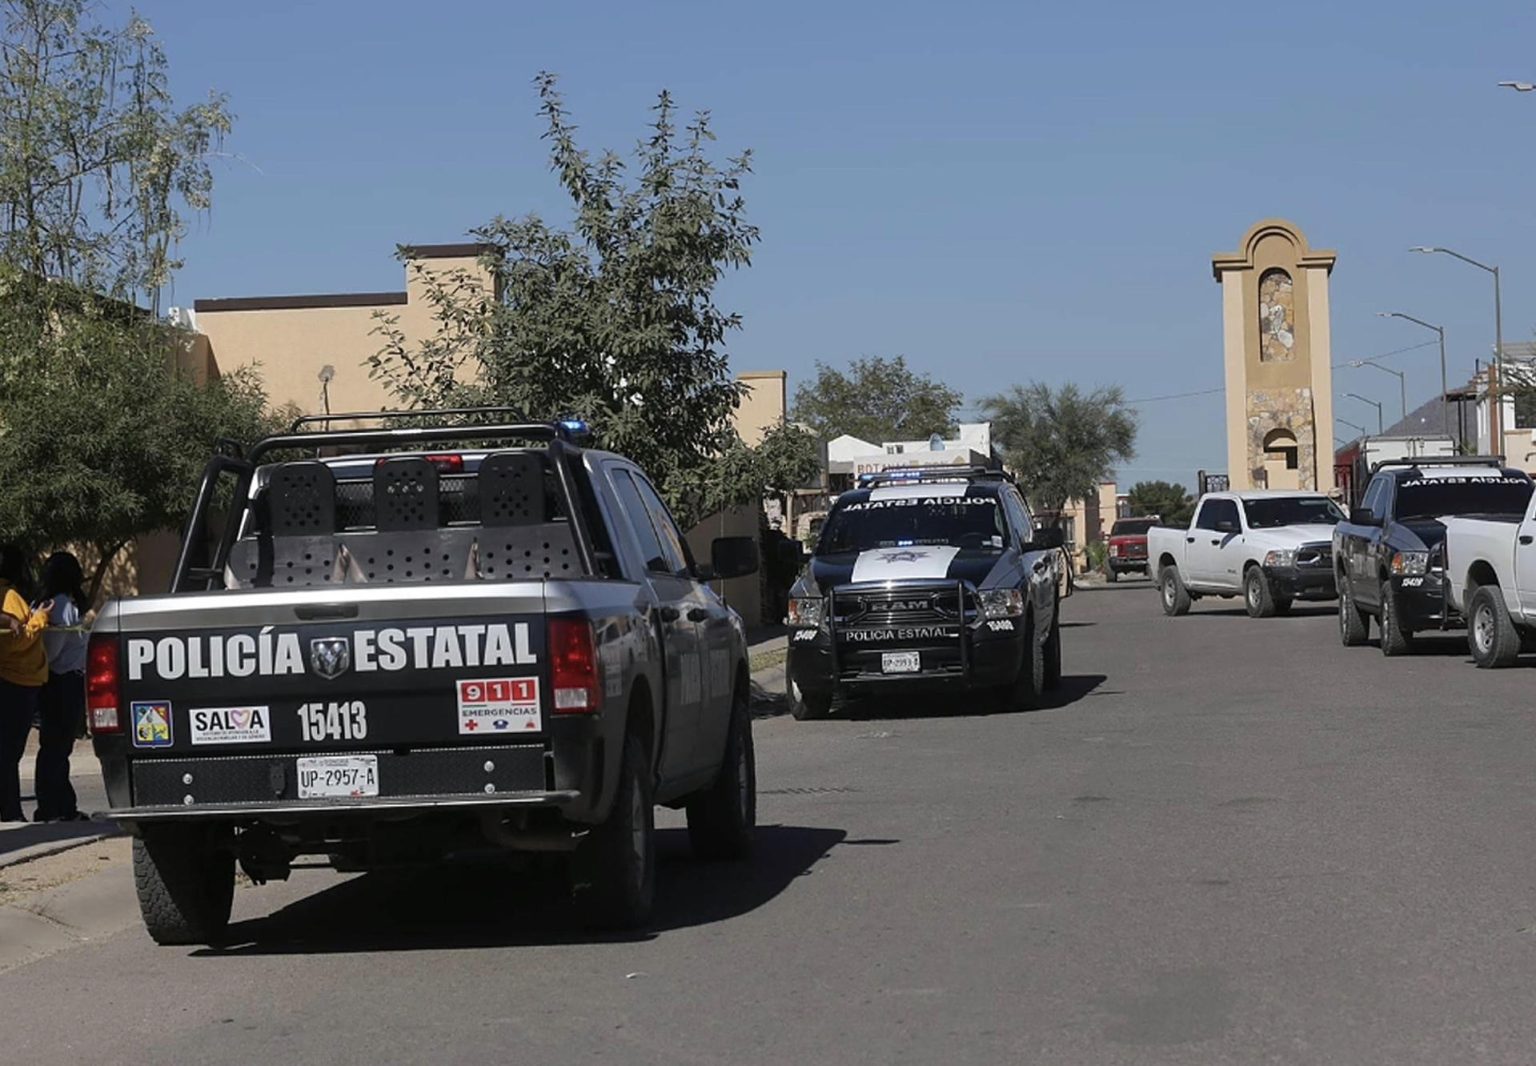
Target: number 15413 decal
(336,720)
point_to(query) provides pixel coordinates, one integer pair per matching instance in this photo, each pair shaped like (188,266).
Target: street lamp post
(1373,403)
(1402,380)
(1357,428)
(1445,390)
(1495,390)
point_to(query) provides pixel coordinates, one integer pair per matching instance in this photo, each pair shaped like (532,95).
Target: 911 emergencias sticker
(499,705)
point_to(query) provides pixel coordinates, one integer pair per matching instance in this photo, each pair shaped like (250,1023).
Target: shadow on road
(1308,610)
(480,905)
(957,704)
(22,835)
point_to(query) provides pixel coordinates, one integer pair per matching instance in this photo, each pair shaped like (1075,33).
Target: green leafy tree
(876,400)
(1062,442)
(97,162)
(614,320)
(787,458)
(106,441)
(1172,503)
(104,428)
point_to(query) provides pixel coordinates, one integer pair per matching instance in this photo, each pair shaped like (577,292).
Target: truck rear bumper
(269,783)
(277,810)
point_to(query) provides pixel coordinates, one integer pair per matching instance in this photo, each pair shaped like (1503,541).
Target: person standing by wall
(23,672)
(62,699)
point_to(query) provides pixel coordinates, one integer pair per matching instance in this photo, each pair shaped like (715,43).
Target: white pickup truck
(1269,547)
(1490,571)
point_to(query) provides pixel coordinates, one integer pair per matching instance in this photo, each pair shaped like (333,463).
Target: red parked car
(1128,546)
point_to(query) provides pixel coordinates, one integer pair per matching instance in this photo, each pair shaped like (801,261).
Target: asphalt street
(1231,841)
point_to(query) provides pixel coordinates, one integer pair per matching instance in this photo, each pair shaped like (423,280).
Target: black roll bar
(386,416)
(549,431)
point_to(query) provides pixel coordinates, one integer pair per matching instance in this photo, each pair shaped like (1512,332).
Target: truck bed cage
(561,449)
(927,475)
(1442,460)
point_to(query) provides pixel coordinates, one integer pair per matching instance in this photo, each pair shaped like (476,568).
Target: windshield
(958,521)
(1132,527)
(1292,511)
(1433,497)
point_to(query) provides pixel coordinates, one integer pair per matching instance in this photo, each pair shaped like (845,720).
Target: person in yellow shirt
(23,672)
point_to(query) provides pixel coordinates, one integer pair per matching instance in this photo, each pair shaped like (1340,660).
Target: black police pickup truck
(450,638)
(1389,558)
(926,580)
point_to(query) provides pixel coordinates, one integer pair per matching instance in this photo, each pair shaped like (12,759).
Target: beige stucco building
(292,338)
(1278,357)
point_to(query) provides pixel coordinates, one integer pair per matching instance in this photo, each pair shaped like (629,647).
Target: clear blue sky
(1000,191)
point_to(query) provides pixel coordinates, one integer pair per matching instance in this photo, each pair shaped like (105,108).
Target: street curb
(55,847)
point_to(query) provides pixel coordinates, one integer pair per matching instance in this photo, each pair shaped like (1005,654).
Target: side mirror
(1049,537)
(732,557)
(1363,516)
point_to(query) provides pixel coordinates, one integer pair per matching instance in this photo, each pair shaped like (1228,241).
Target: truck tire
(1110,575)
(1395,640)
(721,819)
(615,866)
(1053,655)
(185,879)
(1024,694)
(1354,627)
(1491,634)
(1175,596)
(806,706)
(1257,595)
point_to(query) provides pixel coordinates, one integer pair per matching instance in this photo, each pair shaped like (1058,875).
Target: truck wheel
(721,819)
(1175,595)
(1257,596)
(185,879)
(1395,640)
(1024,693)
(1354,628)
(1491,634)
(615,866)
(806,706)
(1110,575)
(1053,655)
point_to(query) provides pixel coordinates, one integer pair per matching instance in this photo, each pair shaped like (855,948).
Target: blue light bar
(576,427)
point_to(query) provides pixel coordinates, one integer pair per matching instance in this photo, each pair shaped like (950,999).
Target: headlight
(1281,557)
(1001,603)
(807,612)
(1114,549)
(1410,562)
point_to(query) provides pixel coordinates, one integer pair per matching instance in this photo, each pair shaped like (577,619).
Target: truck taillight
(103,685)
(573,667)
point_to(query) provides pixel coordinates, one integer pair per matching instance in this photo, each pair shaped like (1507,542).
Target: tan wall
(292,344)
(743,593)
(765,405)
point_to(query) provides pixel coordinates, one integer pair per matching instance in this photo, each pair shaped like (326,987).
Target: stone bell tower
(1274,300)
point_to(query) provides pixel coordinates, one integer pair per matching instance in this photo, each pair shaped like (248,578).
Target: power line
(976,410)
(1175,396)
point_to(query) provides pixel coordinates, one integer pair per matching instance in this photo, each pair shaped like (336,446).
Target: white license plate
(338,776)
(900,662)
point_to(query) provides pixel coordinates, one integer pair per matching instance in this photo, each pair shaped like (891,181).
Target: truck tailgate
(358,696)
